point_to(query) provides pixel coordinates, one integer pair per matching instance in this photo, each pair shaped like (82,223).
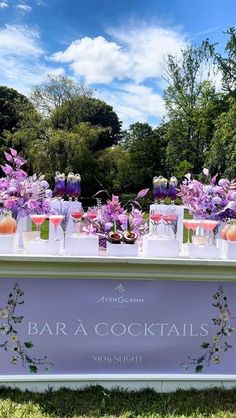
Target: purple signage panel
(88,326)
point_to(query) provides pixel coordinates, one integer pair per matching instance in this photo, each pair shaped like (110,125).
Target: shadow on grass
(99,402)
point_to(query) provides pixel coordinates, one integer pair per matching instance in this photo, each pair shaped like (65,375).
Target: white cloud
(21,58)
(3,5)
(135,54)
(97,60)
(132,58)
(24,8)
(134,103)
(19,41)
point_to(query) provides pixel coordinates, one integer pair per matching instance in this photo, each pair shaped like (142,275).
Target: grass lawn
(97,402)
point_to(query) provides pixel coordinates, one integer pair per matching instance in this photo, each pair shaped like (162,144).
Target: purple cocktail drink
(60,184)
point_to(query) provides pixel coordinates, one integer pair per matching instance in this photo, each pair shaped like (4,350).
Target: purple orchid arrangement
(215,200)
(123,217)
(22,194)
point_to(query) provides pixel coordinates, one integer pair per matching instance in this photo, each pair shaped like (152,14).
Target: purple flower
(20,193)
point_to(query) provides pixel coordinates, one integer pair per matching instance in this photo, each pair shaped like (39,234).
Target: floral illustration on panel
(9,320)
(214,348)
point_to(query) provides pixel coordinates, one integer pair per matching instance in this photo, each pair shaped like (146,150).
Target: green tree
(146,156)
(11,105)
(221,157)
(87,109)
(226,63)
(67,151)
(56,90)
(192,104)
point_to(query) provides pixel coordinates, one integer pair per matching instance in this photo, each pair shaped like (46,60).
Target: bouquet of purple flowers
(22,194)
(128,216)
(214,200)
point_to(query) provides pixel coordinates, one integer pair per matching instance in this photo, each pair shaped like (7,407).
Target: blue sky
(115,47)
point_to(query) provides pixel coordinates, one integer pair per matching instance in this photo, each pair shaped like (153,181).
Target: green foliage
(87,109)
(55,90)
(67,151)
(145,156)
(11,104)
(192,104)
(221,157)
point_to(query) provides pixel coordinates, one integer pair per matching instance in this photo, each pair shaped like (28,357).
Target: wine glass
(209,225)
(76,216)
(60,184)
(71,186)
(156,218)
(92,214)
(38,220)
(55,221)
(172,190)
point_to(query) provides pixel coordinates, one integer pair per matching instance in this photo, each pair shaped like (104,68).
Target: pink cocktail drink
(38,220)
(209,225)
(55,221)
(194,224)
(76,218)
(91,215)
(76,215)
(156,217)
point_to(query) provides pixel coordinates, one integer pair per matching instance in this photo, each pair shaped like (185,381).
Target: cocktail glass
(92,214)
(55,221)
(71,186)
(187,224)
(76,216)
(209,225)
(156,218)
(60,185)
(194,224)
(38,220)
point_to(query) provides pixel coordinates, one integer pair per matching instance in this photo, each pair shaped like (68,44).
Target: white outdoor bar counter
(130,322)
